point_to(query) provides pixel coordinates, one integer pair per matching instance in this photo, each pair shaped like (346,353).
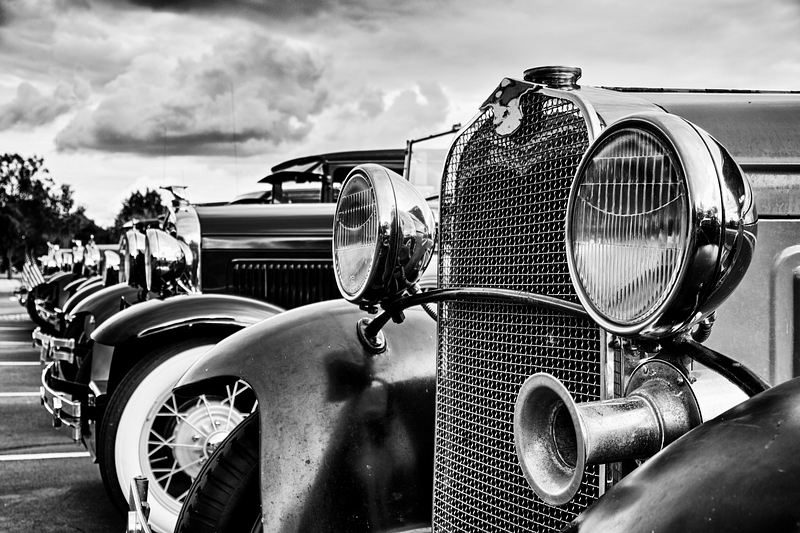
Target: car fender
(62,279)
(84,291)
(55,285)
(157,316)
(74,286)
(736,473)
(106,302)
(347,435)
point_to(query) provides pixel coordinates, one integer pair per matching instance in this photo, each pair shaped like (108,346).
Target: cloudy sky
(119,95)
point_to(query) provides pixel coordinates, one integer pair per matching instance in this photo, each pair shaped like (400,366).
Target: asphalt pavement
(48,484)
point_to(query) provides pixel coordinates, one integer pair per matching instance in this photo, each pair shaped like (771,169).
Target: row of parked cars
(567,326)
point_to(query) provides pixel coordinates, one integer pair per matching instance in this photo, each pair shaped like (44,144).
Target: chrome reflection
(383,235)
(166,260)
(131,248)
(716,245)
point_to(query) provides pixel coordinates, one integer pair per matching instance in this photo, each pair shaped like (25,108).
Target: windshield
(427,163)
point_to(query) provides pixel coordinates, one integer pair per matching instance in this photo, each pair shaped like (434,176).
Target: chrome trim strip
(239,242)
(229,320)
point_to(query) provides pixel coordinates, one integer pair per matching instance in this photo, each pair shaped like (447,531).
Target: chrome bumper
(139,509)
(51,317)
(64,410)
(53,348)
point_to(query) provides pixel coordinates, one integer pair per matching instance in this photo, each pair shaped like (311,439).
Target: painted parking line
(16,344)
(20,363)
(40,456)
(19,317)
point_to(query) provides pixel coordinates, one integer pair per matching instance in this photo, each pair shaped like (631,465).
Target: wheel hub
(200,431)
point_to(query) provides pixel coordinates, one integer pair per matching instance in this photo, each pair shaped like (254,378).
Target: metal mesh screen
(503,208)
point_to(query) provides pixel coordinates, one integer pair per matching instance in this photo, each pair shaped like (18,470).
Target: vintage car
(84,268)
(207,271)
(586,237)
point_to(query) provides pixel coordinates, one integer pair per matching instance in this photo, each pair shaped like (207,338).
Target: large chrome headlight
(383,235)
(167,260)
(77,251)
(131,249)
(91,255)
(110,266)
(660,226)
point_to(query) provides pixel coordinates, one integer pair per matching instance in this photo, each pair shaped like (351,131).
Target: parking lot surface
(48,483)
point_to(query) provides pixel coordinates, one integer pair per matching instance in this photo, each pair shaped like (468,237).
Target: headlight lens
(660,226)
(383,235)
(355,235)
(629,222)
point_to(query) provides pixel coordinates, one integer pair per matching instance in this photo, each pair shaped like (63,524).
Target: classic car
(205,272)
(587,237)
(63,274)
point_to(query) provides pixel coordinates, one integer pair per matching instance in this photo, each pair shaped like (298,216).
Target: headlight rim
(167,259)
(405,241)
(706,218)
(385,252)
(132,260)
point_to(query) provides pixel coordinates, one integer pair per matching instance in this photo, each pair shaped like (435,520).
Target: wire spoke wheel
(148,430)
(181,437)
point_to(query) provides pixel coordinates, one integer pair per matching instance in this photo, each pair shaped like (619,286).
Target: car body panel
(155,316)
(107,302)
(347,435)
(73,286)
(85,290)
(57,283)
(769,296)
(736,473)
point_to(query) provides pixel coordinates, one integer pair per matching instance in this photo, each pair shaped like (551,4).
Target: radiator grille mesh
(502,225)
(286,284)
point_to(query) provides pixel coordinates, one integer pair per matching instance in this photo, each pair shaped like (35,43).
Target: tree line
(34,211)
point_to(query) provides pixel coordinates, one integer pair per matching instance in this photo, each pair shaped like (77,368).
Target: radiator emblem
(504,103)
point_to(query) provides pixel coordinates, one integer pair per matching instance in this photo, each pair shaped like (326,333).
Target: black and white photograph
(399,266)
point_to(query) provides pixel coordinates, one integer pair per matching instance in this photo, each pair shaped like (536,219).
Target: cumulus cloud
(376,118)
(252,90)
(31,108)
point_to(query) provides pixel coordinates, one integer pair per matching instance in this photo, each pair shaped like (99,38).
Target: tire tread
(227,489)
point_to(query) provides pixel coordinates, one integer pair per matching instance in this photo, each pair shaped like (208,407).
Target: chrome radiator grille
(287,284)
(503,207)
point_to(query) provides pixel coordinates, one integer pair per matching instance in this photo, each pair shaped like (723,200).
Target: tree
(138,206)
(32,208)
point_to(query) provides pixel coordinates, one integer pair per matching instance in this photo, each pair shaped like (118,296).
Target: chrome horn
(557,438)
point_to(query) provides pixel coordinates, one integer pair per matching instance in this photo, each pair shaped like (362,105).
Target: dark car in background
(201,274)
(592,243)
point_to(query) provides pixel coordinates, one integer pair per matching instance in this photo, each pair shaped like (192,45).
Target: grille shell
(287,284)
(503,208)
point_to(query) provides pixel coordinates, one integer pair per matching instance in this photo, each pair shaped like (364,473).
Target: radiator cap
(554,77)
